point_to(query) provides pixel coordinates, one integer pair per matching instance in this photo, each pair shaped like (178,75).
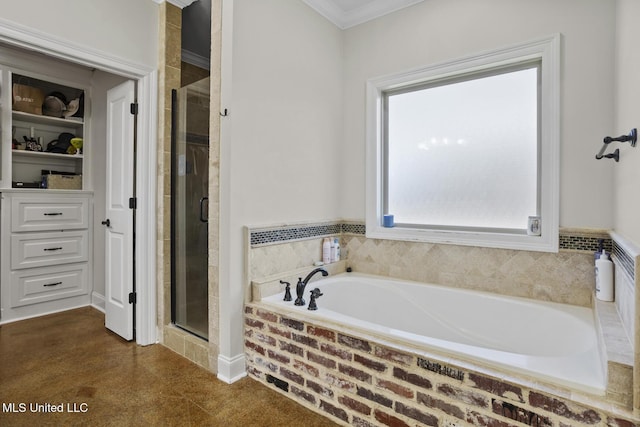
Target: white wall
(627,116)
(280,160)
(127,29)
(439,30)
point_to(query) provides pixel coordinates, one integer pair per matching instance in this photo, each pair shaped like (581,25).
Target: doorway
(145,78)
(189,208)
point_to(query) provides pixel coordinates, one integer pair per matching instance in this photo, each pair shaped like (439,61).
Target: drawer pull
(52,213)
(52,249)
(53,284)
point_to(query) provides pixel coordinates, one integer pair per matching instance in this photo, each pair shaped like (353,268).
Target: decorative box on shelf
(62,182)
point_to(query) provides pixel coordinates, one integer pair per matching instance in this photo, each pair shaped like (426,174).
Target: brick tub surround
(357,380)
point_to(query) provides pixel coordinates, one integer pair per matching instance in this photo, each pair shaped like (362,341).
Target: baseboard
(97,301)
(43,313)
(231,369)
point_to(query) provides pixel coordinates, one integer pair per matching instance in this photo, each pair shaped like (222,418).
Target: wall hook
(631,138)
(224,113)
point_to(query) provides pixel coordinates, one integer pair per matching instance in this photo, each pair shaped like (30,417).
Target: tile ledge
(617,346)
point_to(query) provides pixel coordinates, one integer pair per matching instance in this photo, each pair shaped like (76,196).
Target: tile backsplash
(566,276)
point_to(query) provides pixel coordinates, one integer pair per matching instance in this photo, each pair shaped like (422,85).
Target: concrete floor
(69,360)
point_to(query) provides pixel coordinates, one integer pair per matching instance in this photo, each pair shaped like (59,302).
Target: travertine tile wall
(566,277)
(169,77)
(214,183)
(170,34)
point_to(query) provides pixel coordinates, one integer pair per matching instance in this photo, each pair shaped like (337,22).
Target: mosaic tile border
(261,237)
(584,243)
(577,241)
(354,228)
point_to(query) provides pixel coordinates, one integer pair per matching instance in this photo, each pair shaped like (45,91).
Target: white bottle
(332,250)
(335,251)
(326,251)
(604,278)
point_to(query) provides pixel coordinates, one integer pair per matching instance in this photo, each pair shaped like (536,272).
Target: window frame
(546,51)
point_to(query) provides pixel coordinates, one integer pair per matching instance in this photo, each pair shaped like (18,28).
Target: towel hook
(631,138)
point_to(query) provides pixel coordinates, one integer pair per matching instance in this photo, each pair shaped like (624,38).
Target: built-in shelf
(44,154)
(46,120)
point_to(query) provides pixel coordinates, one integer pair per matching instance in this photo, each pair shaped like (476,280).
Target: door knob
(106,222)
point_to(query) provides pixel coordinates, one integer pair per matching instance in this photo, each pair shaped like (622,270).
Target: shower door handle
(202,217)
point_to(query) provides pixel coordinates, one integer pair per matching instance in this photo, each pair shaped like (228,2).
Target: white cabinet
(40,249)
(45,256)
(53,284)
(46,197)
(29,213)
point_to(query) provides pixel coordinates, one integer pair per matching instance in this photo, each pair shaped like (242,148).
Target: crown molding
(195,59)
(371,10)
(178,3)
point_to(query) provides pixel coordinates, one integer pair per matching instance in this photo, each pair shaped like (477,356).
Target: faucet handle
(312,303)
(316,293)
(287,290)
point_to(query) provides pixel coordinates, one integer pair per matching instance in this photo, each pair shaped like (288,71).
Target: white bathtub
(554,342)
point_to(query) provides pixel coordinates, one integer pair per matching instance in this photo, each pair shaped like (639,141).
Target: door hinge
(132,298)
(134,108)
(133,203)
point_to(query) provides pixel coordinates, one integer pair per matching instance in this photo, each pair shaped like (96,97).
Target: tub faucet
(303,284)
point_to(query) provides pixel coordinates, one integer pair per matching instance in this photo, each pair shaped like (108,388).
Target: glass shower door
(189,208)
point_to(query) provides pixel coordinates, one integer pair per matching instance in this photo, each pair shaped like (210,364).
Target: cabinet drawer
(48,214)
(44,249)
(45,284)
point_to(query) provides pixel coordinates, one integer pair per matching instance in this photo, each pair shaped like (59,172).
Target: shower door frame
(175,119)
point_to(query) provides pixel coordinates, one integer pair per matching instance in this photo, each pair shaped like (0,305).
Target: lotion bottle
(604,277)
(326,251)
(335,253)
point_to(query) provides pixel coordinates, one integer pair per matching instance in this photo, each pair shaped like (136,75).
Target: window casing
(465,152)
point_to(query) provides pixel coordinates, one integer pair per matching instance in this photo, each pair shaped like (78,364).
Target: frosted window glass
(465,154)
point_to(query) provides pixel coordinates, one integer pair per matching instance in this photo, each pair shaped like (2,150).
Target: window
(466,152)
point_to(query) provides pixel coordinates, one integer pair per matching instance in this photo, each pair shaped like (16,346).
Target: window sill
(547,242)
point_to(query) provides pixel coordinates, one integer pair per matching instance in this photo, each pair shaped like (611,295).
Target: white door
(119,265)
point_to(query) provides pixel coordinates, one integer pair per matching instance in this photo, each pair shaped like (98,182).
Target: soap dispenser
(604,277)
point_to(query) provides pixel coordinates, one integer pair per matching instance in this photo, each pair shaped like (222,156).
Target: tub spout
(303,284)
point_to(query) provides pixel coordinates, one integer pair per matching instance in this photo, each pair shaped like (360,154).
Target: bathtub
(552,342)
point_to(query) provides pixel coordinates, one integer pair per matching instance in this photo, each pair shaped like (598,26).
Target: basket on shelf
(63,182)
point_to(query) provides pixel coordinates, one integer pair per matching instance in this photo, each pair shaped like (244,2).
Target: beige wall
(124,29)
